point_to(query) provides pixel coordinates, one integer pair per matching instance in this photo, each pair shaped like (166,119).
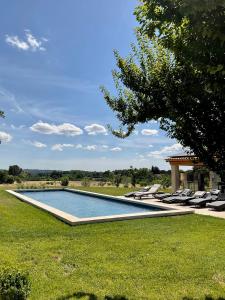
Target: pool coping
(73,220)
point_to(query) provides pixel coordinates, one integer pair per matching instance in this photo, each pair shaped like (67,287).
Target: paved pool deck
(199,211)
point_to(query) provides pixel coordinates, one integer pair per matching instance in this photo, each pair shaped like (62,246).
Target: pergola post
(175,177)
(183,179)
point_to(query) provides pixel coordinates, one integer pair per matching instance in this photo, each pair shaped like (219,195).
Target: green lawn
(161,258)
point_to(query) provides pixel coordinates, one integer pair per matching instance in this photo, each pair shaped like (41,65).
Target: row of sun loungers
(213,199)
(146,191)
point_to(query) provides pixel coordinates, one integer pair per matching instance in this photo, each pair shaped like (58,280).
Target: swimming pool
(86,206)
(76,207)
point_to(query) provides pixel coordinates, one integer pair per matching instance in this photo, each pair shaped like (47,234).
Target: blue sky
(54,57)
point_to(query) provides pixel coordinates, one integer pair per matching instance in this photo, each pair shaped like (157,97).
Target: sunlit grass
(161,258)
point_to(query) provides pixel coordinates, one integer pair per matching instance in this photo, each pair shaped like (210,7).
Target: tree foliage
(175,74)
(193,30)
(15,170)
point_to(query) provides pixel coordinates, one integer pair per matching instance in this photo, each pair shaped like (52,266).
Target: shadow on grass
(90,296)
(206,298)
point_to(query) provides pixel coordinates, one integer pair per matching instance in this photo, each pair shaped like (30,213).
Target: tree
(15,170)
(117,180)
(64,181)
(56,175)
(133,173)
(155,170)
(176,75)
(3,176)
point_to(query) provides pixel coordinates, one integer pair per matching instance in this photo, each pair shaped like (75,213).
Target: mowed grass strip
(159,258)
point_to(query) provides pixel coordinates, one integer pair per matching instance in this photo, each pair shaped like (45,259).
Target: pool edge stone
(73,220)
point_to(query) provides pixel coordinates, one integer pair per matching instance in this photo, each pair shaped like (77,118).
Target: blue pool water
(85,206)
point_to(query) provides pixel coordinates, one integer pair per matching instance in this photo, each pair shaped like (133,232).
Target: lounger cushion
(217,204)
(202,201)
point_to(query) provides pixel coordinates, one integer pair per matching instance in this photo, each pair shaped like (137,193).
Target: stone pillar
(183,179)
(175,177)
(214,179)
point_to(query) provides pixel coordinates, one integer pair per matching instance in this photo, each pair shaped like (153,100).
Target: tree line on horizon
(131,176)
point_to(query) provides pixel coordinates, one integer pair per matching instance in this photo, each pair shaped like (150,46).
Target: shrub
(3,176)
(86,182)
(125,181)
(144,182)
(117,180)
(166,181)
(64,181)
(14,285)
(10,179)
(101,183)
(18,180)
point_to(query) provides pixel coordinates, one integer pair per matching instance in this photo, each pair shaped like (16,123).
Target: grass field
(160,258)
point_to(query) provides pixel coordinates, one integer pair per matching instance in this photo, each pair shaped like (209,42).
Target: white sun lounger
(153,190)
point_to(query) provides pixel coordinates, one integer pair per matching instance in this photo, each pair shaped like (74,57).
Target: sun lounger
(131,194)
(165,195)
(215,192)
(209,197)
(219,204)
(153,190)
(172,199)
(201,202)
(184,200)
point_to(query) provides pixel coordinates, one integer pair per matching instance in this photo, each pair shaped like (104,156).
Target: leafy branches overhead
(175,73)
(194,30)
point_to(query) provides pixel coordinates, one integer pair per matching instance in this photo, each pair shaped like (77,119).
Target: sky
(54,56)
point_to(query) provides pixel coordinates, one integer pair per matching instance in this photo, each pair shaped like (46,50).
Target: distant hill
(37,171)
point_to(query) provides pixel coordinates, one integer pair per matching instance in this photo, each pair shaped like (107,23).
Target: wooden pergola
(187,160)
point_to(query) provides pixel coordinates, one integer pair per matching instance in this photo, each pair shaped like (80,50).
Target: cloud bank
(149,132)
(167,150)
(62,129)
(5,137)
(38,144)
(94,129)
(30,43)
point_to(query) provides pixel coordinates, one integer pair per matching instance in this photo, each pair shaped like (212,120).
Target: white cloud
(149,132)
(62,129)
(30,43)
(78,146)
(68,145)
(5,137)
(34,43)
(116,149)
(38,144)
(153,122)
(17,127)
(91,147)
(167,150)
(94,129)
(60,147)
(14,41)
(105,146)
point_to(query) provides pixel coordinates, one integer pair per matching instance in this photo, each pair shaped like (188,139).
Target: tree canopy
(15,170)
(175,74)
